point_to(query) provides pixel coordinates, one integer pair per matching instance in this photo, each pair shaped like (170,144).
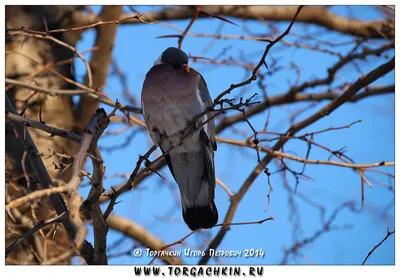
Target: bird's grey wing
(199,209)
(206,99)
(207,137)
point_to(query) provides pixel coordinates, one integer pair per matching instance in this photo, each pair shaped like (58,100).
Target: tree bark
(55,111)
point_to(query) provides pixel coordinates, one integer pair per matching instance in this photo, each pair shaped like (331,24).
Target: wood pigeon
(172,95)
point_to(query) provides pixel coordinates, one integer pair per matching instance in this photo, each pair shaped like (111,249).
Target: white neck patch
(158,61)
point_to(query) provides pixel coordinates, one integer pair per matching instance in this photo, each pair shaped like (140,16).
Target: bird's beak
(185,67)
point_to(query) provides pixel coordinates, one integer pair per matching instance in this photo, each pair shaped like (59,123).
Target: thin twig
(223,185)
(181,37)
(81,28)
(388,234)
(40,225)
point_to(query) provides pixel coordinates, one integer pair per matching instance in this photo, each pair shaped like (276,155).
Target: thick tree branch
(53,131)
(88,93)
(96,126)
(100,62)
(37,227)
(100,227)
(141,235)
(318,15)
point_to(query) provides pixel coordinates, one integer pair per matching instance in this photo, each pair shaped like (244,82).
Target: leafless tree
(49,137)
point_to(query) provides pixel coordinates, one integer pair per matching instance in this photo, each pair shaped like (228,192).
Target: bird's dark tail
(198,217)
(194,174)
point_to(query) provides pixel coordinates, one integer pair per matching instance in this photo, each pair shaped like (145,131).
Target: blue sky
(372,140)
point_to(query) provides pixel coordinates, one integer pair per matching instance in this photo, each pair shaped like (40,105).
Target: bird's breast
(169,115)
(170,101)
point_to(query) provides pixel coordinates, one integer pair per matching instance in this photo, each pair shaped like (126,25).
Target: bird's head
(174,57)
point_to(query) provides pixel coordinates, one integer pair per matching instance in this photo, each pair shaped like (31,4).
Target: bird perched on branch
(172,95)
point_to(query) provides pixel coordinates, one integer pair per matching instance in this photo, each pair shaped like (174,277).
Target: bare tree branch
(326,226)
(362,82)
(312,14)
(141,235)
(295,94)
(45,180)
(59,42)
(53,131)
(40,225)
(301,159)
(54,92)
(100,62)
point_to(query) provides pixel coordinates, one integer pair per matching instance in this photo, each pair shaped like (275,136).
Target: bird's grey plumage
(172,96)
